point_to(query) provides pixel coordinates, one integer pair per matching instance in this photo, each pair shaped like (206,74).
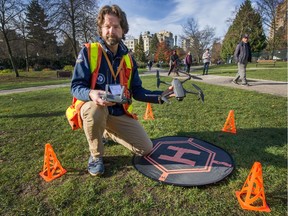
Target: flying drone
(178,89)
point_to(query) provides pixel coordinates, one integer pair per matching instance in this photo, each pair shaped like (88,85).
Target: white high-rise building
(187,43)
(166,36)
(131,43)
(146,36)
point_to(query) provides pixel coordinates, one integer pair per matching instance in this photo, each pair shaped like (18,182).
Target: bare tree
(9,10)
(75,20)
(216,50)
(21,27)
(199,39)
(87,26)
(268,11)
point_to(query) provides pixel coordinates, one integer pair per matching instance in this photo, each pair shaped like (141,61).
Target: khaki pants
(241,73)
(121,129)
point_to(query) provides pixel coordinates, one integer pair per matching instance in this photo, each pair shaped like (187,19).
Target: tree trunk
(12,60)
(26,56)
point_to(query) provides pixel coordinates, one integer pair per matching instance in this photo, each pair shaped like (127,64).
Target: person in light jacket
(206,57)
(188,61)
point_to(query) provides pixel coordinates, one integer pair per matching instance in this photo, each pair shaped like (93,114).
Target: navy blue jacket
(81,80)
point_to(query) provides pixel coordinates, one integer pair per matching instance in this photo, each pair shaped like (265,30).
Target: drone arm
(191,92)
(167,83)
(186,79)
(165,96)
(199,93)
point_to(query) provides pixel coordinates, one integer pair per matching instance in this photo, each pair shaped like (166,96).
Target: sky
(170,15)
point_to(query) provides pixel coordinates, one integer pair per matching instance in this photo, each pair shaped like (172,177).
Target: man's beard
(112,40)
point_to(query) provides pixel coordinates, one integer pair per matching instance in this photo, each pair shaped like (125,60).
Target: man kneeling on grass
(116,68)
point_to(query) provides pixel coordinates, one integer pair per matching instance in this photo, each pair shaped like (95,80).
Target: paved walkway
(258,85)
(36,88)
(262,86)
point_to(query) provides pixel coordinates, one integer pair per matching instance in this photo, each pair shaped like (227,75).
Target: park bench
(64,74)
(266,62)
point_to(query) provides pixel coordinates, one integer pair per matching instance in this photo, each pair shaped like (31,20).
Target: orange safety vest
(94,56)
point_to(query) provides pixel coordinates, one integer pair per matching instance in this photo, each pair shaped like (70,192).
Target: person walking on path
(188,61)
(118,70)
(206,57)
(174,63)
(150,63)
(242,56)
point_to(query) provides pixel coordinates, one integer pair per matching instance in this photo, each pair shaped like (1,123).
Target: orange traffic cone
(148,113)
(252,192)
(229,125)
(52,168)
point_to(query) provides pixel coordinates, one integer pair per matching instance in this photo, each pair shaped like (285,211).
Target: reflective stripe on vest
(128,62)
(94,56)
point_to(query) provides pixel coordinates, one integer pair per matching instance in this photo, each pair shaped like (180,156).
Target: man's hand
(170,89)
(95,96)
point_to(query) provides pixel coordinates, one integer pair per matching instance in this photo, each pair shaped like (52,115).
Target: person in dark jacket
(150,63)
(100,117)
(174,62)
(242,56)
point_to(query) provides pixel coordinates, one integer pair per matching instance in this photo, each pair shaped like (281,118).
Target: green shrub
(141,64)
(38,67)
(68,68)
(4,71)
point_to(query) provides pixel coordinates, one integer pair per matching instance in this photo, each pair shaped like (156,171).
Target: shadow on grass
(265,145)
(257,83)
(113,165)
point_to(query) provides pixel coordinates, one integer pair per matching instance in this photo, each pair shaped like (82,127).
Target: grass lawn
(30,120)
(30,79)
(33,78)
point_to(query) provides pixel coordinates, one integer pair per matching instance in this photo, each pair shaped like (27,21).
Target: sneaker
(95,166)
(234,82)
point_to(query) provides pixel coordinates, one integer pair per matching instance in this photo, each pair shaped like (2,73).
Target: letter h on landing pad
(184,161)
(178,156)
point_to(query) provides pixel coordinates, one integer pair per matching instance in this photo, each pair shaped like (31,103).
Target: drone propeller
(158,78)
(159,81)
(190,76)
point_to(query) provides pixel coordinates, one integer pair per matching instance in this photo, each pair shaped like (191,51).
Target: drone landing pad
(185,161)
